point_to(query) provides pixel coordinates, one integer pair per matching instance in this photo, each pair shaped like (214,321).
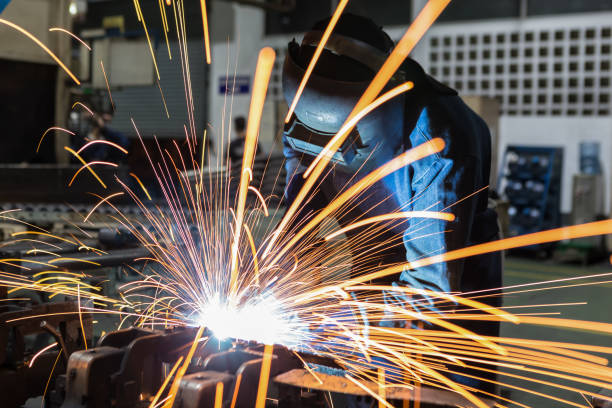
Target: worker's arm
(440,182)
(439,188)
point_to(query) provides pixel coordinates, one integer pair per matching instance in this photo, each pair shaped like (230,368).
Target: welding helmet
(351,57)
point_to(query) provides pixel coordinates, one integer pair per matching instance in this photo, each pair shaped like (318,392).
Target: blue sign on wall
(240,85)
(3,4)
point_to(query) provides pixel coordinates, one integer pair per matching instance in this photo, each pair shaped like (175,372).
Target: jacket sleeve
(440,183)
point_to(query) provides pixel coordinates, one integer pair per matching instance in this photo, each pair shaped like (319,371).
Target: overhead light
(72,8)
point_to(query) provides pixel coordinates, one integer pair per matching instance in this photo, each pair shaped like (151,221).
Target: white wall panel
(35,17)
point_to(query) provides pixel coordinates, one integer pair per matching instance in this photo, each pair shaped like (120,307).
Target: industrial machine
(530,179)
(127,370)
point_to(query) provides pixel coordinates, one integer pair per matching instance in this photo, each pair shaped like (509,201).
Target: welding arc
(43,46)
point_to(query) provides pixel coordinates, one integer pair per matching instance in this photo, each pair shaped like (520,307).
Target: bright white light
(72,8)
(261,319)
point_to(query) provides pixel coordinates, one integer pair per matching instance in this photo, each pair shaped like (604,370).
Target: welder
(454,180)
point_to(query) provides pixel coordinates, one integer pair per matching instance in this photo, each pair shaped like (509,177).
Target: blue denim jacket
(440,182)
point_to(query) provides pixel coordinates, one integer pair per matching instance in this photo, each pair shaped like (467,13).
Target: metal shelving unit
(530,178)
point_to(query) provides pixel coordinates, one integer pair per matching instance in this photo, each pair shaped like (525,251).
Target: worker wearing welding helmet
(453,180)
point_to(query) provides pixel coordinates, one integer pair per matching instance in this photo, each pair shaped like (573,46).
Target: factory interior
(305,203)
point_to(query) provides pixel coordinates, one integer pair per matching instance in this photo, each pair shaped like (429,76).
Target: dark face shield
(310,141)
(325,105)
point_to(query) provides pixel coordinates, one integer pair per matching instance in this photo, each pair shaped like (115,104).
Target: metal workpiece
(23,331)
(601,402)
(292,385)
(129,366)
(198,390)
(86,382)
(245,366)
(126,368)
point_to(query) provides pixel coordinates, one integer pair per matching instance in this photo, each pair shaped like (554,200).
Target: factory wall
(566,132)
(35,16)
(144,103)
(38,86)
(231,74)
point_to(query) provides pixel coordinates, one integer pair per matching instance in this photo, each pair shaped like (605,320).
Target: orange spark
(393,216)
(219,395)
(236,387)
(262,389)
(164,18)
(72,35)
(51,376)
(100,203)
(37,251)
(429,293)
(49,347)
(253,251)
(369,391)
(141,186)
(315,57)
(52,261)
(165,383)
(106,142)
(144,25)
(205,27)
(265,62)
(50,129)
(163,99)
(88,166)
(381,387)
(181,372)
(261,199)
(83,106)
(15,234)
(110,96)
(43,46)
(81,315)
(75,154)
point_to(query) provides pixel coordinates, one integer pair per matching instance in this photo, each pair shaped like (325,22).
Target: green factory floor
(595,305)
